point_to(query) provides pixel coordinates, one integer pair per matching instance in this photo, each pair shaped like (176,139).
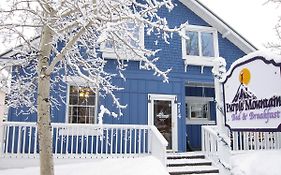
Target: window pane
(199,110)
(207,44)
(192,44)
(81,105)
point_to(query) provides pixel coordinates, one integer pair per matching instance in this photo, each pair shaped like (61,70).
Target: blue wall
(140,83)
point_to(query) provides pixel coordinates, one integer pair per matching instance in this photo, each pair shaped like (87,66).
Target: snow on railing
(20,139)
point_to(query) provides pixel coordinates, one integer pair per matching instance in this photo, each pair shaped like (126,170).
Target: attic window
(201,47)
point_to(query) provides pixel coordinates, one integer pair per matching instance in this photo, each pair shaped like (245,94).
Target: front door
(162,112)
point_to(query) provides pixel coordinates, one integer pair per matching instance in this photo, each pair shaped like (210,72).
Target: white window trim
(110,54)
(200,60)
(197,121)
(78,81)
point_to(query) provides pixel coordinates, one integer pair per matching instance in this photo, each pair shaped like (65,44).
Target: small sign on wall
(252,93)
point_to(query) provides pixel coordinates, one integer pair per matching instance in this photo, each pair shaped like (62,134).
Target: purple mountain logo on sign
(243,94)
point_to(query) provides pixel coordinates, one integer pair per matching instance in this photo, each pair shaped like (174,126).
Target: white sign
(252,94)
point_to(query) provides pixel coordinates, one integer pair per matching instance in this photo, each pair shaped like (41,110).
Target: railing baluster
(131,138)
(106,140)
(125,140)
(116,141)
(144,141)
(72,141)
(77,140)
(121,140)
(67,140)
(111,141)
(13,139)
(88,132)
(139,140)
(7,136)
(35,141)
(24,139)
(19,140)
(56,140)
(82,140)
(135,143)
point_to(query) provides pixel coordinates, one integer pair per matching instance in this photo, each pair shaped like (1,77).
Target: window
(201,47)
(135,36)
(199,103)
(198,108)
(82,105)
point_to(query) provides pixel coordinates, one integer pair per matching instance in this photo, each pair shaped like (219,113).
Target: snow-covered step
(193,170)
(188,162)
(186,155)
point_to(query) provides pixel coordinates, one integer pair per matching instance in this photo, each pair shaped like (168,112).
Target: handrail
(159,145)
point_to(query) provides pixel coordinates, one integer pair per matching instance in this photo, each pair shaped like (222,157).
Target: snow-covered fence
(255,141)
(20,139)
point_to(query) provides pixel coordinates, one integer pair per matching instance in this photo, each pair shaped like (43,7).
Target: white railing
(240,141)
(210,141)
(243,141)
(20,139)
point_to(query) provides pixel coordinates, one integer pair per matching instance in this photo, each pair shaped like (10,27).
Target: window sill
(198,61)
(200,122)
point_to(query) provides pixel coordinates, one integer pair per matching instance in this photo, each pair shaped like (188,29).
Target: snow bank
(257,163)
(131,166)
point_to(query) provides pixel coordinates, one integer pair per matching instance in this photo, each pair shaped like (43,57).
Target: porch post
(224,150)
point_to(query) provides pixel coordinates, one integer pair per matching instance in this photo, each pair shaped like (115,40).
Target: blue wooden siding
(140,83)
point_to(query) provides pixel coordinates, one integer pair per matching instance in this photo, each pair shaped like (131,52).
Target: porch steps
(190,163)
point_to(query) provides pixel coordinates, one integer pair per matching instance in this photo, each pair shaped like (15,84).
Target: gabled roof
(222,27)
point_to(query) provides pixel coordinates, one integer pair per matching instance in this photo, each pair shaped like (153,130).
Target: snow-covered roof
(226,30)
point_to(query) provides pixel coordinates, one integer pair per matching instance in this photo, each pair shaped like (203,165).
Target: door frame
(150,119)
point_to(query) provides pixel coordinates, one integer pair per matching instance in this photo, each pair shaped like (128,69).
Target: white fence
(83,141)
(240,141)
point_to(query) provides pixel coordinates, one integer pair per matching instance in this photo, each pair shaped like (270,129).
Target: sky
(253,19)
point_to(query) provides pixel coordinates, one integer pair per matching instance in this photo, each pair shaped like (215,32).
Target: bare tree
(276,46)
(53,38)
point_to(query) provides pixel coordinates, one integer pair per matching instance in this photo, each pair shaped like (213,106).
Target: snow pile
(127,166)
(257,163)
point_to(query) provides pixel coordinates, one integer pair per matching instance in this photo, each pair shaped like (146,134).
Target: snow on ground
(118,166)
(257,163)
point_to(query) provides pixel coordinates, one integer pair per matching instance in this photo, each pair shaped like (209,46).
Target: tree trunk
(43,100)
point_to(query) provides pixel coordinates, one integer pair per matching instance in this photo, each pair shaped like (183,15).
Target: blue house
(179,108)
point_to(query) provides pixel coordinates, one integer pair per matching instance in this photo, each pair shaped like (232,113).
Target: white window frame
(200,60)
(109,53)
(78,82)
(189,100)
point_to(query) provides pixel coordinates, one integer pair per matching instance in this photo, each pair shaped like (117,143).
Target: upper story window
(116,48)
(201,47)
(82,105)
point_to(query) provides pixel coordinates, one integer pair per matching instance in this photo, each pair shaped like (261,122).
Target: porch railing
(210,141)
(240,141)
(83,141)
